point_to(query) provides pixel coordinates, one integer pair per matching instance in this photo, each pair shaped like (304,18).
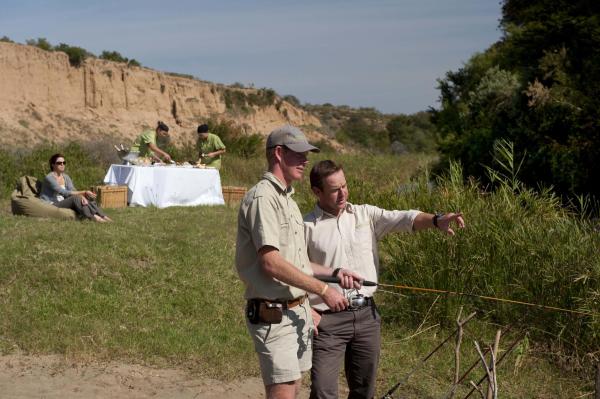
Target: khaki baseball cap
(291,137)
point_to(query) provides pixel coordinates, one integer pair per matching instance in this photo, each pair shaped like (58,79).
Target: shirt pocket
(284,236)
(363,237)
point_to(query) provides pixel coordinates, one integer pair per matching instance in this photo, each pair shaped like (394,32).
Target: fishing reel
(355,300)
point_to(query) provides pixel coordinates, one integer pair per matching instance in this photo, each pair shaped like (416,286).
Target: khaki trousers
(354,336)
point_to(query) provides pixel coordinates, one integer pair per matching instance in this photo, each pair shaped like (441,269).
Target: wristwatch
(436,217)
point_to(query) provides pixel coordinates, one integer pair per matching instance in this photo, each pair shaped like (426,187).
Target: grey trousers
(354,336)
(87,211)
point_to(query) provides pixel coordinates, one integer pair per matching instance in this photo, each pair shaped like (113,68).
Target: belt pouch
(260,311)
(270,312)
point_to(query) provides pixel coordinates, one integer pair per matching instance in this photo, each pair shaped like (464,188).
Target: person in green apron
(145,145)
(210,148)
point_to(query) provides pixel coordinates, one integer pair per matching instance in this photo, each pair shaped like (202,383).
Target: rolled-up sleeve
(53,184)
(385,221)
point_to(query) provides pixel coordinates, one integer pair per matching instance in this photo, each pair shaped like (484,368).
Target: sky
(386,54)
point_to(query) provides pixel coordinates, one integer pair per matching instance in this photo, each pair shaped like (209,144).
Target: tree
(538,87)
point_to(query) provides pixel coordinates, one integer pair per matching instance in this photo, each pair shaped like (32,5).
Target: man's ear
(316,190)
(278,153)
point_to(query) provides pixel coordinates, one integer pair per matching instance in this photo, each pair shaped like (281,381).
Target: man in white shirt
(338,234)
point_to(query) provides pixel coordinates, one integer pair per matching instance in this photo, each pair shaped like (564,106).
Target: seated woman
(58,189)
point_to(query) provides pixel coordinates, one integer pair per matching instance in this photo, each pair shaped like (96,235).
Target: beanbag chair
(24,201)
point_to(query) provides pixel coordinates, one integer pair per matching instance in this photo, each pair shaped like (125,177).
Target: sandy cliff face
(44,98)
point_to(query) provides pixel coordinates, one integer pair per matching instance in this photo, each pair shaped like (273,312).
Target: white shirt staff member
(340,234)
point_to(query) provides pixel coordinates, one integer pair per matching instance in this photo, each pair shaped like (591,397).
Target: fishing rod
(366,283)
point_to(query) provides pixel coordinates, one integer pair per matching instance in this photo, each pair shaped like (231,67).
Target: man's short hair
(321,171)
(203,128)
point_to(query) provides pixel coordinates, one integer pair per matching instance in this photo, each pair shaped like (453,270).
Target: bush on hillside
(113,56)
(77,55)
(238,100)
(5,39)
(117,57)
(40,42)
(134,62)
(292,100)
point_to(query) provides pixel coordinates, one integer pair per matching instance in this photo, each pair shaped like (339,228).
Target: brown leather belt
(287,304)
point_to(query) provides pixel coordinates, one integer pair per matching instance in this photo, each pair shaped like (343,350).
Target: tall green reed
(519,243)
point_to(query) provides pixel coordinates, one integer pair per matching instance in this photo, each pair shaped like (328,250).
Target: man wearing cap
(271,259)
(145,144)
(210,147)
(338,234)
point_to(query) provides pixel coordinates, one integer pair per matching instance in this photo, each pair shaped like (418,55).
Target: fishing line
(329,279)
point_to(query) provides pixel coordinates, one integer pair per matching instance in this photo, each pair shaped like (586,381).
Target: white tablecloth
(164,186)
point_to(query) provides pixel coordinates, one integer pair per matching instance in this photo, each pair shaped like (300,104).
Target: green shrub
(77,55)
(5,39)
(133,62)
(113,56)
(237,85)
(40,42)
(262,98)
(179,75)
(292,100)
(235,101)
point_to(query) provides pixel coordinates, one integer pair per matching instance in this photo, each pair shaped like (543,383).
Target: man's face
(293,164)
(334,195)
(203,136)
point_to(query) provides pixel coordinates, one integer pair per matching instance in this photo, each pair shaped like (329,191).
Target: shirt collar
(278,184)
(321,214)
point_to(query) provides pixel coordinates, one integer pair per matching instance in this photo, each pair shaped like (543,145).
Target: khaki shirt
(269,216)
(350,240)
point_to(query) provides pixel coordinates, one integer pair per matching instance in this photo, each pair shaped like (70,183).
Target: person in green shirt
(210,147)
(145,145)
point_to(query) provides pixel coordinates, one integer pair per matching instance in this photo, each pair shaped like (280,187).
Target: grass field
(159,286)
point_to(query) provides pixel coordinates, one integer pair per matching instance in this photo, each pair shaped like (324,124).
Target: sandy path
(53,377)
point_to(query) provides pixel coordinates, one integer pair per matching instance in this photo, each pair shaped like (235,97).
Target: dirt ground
(53,377)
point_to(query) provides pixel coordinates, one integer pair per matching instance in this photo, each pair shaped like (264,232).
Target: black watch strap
(436,217)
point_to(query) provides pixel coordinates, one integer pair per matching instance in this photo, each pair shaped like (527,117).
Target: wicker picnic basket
(233,195)
(111,196)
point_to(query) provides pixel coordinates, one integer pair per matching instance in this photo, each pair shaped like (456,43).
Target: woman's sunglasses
(60,163)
